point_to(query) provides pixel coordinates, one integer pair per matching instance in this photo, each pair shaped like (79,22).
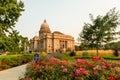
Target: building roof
(45,28)
(57,32)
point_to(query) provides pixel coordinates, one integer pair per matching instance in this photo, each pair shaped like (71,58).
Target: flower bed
(55,69)
(9,61)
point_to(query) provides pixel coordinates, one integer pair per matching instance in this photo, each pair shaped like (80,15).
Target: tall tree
(115,46)
(101,30)
(10,11)
(14,40)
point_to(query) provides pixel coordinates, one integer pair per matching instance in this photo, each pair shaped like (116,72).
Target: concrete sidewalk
(13,73)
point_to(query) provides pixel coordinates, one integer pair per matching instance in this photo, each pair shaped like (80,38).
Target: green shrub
(9,61)
(72,53)
(43,57)
(85,54)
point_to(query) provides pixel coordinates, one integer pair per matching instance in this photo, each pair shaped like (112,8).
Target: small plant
(57,55)
(85,54)
(72,53)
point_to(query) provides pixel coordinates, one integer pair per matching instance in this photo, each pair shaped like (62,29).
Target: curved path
(13,73)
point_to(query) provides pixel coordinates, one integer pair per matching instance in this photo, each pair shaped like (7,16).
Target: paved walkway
(13,73)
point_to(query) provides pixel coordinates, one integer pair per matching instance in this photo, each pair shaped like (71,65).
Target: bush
(72,53)
(9,61)
(85,54)
(55,69)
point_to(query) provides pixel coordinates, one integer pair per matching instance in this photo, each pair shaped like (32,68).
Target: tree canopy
(101,30)
(10,11)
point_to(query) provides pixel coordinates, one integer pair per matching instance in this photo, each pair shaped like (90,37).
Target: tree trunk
(97,50)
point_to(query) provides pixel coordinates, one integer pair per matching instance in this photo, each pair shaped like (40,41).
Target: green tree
(24,43)
(101,30)
(115,46)
(10,11)
(84,46)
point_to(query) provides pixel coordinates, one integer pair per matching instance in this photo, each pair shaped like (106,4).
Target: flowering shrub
(55,69)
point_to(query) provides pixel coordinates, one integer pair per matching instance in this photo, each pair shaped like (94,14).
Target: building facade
(51,42)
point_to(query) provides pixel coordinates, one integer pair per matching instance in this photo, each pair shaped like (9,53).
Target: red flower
(118,63)
(112,78)
(118,78)
(38,63)
(3,63)
(95,58)
(90,65)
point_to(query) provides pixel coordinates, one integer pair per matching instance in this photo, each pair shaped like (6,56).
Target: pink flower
(104,67)
(28,79)
(80,71)
(38,79)
(110,65)
(95,73)
(40,70)
(65,70)
(43,67)
(62,66)
(54,61)
(81,62)
(46,67)
(97,67)
(63,62)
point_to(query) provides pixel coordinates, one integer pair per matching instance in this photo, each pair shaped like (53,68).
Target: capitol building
(51,42)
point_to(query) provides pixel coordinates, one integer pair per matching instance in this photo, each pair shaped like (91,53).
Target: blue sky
(66,16)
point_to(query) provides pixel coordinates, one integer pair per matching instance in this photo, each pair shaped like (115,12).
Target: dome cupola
(44,28)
